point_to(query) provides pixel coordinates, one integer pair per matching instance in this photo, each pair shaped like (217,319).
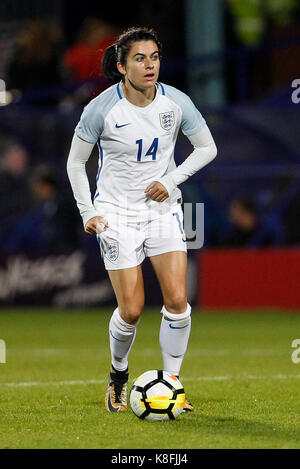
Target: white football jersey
(136,147)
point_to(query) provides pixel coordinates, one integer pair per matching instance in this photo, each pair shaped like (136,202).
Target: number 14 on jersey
(151,151)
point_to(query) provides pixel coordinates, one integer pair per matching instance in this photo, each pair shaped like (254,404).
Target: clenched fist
(96,225)
(156,191)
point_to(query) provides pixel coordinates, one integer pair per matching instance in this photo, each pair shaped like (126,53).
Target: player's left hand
(156,191)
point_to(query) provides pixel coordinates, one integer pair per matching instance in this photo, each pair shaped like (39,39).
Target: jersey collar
(159,90)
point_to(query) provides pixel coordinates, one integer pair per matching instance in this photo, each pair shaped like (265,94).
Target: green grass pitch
(238,373)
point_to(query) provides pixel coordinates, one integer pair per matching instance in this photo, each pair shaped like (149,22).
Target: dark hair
(118,51)
(44,173)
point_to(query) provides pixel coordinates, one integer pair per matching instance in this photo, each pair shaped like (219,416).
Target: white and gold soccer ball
(157,395)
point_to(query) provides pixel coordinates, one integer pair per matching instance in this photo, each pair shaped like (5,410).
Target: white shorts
(126,244)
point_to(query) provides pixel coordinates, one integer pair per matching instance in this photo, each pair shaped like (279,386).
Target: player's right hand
(96,225)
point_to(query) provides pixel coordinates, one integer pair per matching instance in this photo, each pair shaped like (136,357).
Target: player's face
(142,65)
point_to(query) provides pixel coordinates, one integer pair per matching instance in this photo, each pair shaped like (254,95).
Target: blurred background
(239,60)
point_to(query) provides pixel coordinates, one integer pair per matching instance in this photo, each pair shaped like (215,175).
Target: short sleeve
(192,120)
(91,124)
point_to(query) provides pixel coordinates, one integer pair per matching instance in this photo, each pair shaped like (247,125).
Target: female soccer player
(136,210)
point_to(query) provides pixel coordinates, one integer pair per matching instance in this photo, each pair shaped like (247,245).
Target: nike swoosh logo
(174,327)
(123,125)
(116,337)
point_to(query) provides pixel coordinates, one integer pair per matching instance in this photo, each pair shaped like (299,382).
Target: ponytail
(109,65)
(118,52)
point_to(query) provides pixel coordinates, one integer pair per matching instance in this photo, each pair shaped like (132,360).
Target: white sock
(173,338)
(121,338)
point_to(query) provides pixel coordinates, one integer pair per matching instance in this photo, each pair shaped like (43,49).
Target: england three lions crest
(113,251)
(109,248)
(167,120)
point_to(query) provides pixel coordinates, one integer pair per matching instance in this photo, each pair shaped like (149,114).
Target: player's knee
(131,313)
(176,302)
(132,316)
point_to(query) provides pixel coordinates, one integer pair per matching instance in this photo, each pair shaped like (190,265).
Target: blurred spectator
(252,229)
(265,35)
(244,222)
(82,62)
(51,227)
(35,63)
(251,18)
(83,59)
(14,192)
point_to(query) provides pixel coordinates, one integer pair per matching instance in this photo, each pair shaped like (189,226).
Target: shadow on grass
(236,427)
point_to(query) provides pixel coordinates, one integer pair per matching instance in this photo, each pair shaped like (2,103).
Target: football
(157,395)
